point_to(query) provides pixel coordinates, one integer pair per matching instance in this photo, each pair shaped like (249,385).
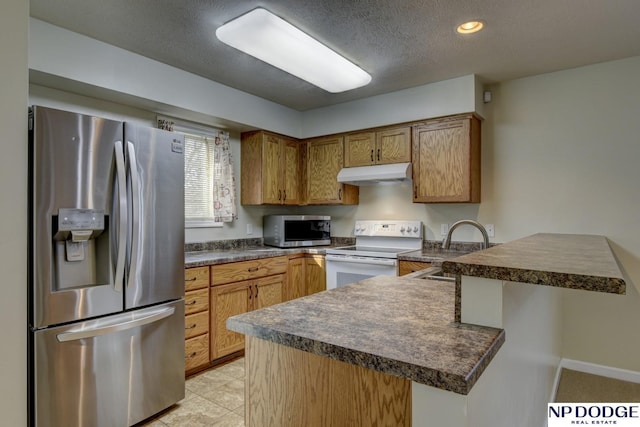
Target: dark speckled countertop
(222,256)
(399,326)
(573,261)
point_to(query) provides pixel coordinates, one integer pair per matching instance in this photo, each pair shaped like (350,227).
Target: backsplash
(221,245)
(435,245)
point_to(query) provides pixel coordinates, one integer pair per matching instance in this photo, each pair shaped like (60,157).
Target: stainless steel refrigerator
(106,270)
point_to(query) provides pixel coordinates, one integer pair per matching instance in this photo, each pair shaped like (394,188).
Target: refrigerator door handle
(109,329)
(122,207)
(135,214)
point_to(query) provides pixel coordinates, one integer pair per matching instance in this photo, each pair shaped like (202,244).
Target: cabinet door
(268,291)
(324,161)
(393,145)
(296,279)
(446,161)
(271,169)
(359,149)
(226,301)
(316,276)
(291,180)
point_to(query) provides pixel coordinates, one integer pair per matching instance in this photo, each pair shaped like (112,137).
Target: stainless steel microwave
(290,231)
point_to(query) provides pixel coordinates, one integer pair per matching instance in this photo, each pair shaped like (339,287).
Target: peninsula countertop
(399,326)
(573,261)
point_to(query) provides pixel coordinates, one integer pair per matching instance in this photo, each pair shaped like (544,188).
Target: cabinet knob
(372,156)
(340,194)
(378,154)
(191,302)
(285,195)
(190,327)
(252,269)
(279,194)
(193,279)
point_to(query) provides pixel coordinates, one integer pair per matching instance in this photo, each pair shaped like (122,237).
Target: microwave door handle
(121,180)
(135,214)
(109,329)
(370,261)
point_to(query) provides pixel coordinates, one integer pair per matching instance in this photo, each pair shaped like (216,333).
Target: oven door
(345,269)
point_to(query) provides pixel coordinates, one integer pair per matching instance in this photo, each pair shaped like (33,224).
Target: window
(198,181)
(209,184)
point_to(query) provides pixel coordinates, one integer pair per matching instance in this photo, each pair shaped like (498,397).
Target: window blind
(198,179)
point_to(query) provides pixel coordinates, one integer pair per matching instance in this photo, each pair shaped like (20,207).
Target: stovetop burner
(382,239)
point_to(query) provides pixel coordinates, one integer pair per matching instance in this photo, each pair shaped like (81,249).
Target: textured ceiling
(401,44)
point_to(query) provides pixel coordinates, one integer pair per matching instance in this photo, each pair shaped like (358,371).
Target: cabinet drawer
(196,324)
(406,267)
(196,278)
(245,270)
(196,352)
(196,301)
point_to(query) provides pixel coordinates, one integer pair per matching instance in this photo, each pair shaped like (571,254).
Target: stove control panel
(389,228)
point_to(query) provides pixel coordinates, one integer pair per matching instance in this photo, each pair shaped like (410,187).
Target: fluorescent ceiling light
(265,36)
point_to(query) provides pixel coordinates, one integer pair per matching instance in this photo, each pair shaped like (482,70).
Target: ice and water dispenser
(81,241)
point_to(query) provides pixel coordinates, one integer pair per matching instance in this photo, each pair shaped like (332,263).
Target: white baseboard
(592,368)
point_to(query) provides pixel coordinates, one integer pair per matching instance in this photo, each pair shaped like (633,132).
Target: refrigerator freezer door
(115,371)
(155,177)
(76,167)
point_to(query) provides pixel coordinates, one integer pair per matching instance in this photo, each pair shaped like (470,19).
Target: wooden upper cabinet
(359,149)
(325,158)
(393,145)
(385,146)
(270,169)
(446,160)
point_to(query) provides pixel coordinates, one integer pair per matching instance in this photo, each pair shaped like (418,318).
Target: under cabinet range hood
(378,174)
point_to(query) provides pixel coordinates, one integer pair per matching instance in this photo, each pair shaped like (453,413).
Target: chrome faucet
(447,240)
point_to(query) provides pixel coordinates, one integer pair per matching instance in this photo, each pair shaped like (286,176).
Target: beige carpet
(577,386)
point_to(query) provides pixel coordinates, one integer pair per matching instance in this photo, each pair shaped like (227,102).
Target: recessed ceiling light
(269,38)
(470,27)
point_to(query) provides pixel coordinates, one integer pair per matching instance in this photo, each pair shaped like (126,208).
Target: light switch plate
(444,229)
(249,229)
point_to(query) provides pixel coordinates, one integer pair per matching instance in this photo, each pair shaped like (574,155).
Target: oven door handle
(370,261)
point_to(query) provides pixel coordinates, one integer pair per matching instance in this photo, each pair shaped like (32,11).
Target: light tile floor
(214,398)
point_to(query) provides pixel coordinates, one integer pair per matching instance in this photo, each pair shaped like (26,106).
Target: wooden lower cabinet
(237,298)
(315,273)
(406,267)
(305,276)
(196,321)
(296,278)
(196,352)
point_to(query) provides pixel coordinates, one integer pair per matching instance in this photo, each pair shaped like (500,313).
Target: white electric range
(378,244)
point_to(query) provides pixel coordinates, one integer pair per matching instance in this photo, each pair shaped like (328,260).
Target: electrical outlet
(444,229)
(490,230)
(249,229)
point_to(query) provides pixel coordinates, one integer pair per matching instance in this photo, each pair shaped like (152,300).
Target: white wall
(561,155)
(13,227)
(433,100)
